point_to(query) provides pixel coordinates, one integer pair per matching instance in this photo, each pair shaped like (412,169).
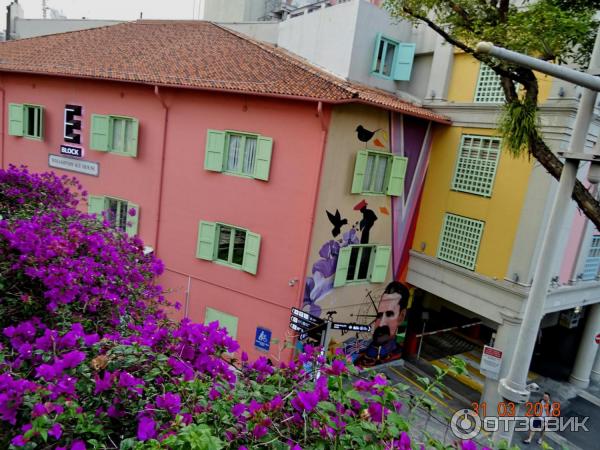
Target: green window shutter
(100,132)
(41,122)
(381,263)
(404,61)
(397,173)
(215,150)
(341,270)
(15,119)
(359,172)
(374,67)
(132,221)
(132,139)
(262,162)
(225,320)
(251,252)
(207,235)
(96,205)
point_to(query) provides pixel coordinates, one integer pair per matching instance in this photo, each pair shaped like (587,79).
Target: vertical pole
(421,340)
(514,386)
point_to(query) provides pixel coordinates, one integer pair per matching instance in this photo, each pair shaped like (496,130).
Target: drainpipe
(2,130)
(317,184)
(162,167)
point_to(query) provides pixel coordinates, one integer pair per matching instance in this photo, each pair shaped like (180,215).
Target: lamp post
(514,386)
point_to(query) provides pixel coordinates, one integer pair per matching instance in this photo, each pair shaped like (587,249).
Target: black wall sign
(72,124)
(71,151)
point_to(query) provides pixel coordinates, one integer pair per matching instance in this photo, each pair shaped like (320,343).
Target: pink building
(229,150)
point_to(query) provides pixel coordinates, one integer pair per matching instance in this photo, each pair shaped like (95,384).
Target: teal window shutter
(262,163)
(251,252)
(131,143)
(359,172)
(132,221)
(404,61)
(100,132)
(215,150)
(96,205)
(381,263)
(397,173)
(378,44)
(207,236)
(15,119)
(341,270)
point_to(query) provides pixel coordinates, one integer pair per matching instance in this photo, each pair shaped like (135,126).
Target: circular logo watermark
(465,424)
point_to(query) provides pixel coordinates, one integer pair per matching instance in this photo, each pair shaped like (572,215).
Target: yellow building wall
(464,80)
(500,212)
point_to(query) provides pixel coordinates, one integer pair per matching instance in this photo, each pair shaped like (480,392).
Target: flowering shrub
(89,359)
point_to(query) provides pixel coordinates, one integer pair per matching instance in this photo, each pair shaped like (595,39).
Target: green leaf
(327,406)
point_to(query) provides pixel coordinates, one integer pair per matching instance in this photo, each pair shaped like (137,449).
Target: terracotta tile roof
(189,54)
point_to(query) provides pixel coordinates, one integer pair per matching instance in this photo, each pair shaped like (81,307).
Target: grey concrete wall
(262,31)
(25,28)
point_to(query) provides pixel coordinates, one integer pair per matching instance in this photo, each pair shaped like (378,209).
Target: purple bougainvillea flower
(18,441)
(305,401)
(55,431)
(146,429)
(259,431)
(169,401)
(78,445)
(468,445)
(238,409)
(405,441)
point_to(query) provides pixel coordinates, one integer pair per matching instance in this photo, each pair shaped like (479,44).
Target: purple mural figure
(323,271)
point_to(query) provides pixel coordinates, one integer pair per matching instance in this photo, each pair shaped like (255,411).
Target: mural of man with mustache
(391,312)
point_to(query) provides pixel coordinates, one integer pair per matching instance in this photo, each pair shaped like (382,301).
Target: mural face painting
(391,312)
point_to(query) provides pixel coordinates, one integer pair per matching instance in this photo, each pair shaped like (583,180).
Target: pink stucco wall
(280,210)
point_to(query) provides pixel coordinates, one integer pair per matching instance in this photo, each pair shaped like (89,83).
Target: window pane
(380,170)
(118,136)
(389,59)
(233,153)
(249,155)
(238,247)
(378,69)
(368,173)
(224,238)
(363,269)
(352,263)
(122,216)
(32,121)
(112,212)
(128,124)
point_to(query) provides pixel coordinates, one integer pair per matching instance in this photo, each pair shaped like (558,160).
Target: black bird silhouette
(337,222)
(365,135)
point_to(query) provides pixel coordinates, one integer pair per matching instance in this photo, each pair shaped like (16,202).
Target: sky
(108,9)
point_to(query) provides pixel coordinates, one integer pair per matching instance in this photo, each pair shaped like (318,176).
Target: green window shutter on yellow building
(341,271)
(381,263)
(132,221)
(15,119)
(397,174)
(359,172)
(100,133)
(215,150)
(262,162)
(251,252)
(96,205)
(207,235)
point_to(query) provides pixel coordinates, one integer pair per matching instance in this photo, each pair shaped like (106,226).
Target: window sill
(227,264)
(384,77)
(33,138)
(239,175)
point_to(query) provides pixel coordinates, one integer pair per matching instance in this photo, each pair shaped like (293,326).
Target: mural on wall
(365,136)
(320,283)
(384,346)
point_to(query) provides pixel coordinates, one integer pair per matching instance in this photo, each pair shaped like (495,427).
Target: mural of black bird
(337,222)
(365,135)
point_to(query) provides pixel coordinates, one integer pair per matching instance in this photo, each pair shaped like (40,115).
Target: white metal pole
(514,386)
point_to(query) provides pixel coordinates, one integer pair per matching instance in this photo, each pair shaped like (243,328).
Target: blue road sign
(262,341)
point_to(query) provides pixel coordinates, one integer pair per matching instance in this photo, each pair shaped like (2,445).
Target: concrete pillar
(441,68)
(580,376)
(595,375)
(506,339)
